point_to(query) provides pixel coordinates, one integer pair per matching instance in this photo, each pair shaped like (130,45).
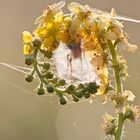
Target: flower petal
(130,96)
(26,36)
(132,48)
(27,49)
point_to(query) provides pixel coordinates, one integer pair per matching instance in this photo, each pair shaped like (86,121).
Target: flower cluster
(84,32)
(109,125)
(80,30)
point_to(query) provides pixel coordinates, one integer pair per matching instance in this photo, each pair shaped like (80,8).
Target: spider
(76,53)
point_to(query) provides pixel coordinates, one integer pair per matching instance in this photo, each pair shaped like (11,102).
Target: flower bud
(70,89)
(29,60)
(63,100)
(41,91)
(46,66)
(92,87)
(75,99)
(109,125)
(132,113)
(29,78)
(62,82)
(86,94)
(37,43)
(80,86)
(50,89)
(79,93)
(49,75)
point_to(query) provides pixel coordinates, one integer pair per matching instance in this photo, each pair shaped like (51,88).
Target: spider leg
(69,64)
(81,64)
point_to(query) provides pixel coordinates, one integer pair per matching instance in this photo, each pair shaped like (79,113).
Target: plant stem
(120,127)
(42,80)
(120,116)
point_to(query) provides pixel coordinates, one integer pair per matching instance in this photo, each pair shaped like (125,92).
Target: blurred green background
(26,116)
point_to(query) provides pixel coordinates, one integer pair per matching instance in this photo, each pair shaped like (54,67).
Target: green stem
(42,80)
(120,116)
(37,70)
(120,127)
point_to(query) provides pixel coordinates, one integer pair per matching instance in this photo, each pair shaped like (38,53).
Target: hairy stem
(120,116)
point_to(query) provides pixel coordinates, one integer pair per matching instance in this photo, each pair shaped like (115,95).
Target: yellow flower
(40,32)
(65,36)
(49,12)
(49,29)
(59,18)
(50,43)
(27,49)
(52,28)
(26,36)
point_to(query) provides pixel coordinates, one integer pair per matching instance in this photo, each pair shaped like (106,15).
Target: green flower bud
(70,89)
(79,93)
(92,87)
(37,42)
(49,75)
(29,78)
(62,82)
(46,66)
(41,91)
(63,100)
(75,99)
(86,94)
(80,86)
(29,60)
(50,89)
